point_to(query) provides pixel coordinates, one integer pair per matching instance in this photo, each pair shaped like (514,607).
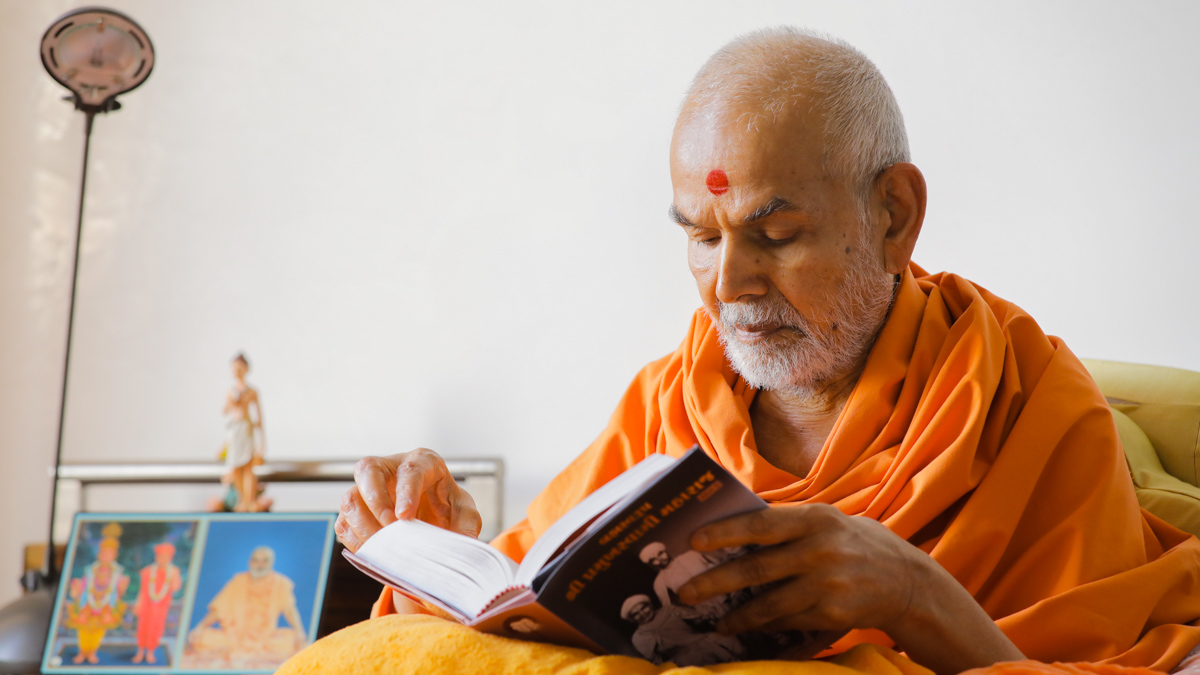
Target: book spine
(501,596)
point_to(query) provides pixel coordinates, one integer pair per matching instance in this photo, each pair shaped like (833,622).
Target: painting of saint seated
(242,626)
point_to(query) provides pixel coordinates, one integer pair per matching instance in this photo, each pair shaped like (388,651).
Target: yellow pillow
(1157,491)
(416,645)
(1164,402)
(1174,429)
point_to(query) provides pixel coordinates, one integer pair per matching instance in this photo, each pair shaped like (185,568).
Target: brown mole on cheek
(847,249)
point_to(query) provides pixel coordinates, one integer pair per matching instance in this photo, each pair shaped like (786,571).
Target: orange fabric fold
(971,434)
(1037,668)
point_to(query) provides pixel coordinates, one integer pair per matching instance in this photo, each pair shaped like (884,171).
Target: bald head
(789,174)
(807,82)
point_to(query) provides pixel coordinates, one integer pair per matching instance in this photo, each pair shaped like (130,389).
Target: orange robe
(971,434)
(152,613)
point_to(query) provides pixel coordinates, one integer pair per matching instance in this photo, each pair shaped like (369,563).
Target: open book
(603,577)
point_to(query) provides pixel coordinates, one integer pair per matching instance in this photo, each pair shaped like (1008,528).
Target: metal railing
(301,472)
(483,478)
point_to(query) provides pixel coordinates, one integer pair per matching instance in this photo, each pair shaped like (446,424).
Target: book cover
(619,585)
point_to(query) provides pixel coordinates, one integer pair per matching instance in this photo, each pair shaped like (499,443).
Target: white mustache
(772,310)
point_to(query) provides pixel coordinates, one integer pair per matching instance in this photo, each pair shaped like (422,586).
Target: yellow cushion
(1173,429)
(1164,402)
(1157,491)
(398,644)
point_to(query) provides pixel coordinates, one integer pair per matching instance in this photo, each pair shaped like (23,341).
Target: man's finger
(790,599)
(405,605)
(346,535)
(414,476)
(466,519)
(372,477)
(358,517)
(753,569)
(443,496)
(809,621)
(766,527)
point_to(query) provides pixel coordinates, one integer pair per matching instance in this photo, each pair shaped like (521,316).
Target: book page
(462,572)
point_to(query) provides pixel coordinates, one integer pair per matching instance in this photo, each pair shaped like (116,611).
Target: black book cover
(618,585)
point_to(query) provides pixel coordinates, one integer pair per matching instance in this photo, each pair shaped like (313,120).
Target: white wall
(443,224)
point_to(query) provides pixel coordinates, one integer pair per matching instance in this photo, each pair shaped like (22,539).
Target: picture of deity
(96,598)
(190,593)
(124,589)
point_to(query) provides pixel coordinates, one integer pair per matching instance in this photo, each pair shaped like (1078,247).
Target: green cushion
(1164,402)
(1158,492)
(1173,430)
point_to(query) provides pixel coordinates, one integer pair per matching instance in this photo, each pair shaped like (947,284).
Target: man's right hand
(409,485)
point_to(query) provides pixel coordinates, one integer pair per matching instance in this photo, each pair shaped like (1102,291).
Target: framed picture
(188,593)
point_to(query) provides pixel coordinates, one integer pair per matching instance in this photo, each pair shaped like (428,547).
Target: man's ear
(901,190)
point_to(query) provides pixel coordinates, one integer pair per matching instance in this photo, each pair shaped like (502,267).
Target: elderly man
(247,610)
(947,478)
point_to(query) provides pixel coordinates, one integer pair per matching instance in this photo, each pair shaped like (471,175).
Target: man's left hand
(834,572)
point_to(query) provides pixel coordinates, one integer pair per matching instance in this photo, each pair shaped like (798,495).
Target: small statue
(243,447)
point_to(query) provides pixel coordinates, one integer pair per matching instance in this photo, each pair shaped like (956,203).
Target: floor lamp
(98,54)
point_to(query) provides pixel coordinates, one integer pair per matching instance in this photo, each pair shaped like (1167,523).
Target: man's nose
(739,274)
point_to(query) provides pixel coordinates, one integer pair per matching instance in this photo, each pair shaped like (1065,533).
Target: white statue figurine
(243,447)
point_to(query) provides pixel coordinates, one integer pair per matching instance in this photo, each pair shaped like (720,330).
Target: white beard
(808,353)
(259,574)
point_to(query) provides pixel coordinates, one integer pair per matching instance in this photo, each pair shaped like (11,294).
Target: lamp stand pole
(52,571)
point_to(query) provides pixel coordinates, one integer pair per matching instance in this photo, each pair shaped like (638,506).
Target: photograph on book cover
(189,593)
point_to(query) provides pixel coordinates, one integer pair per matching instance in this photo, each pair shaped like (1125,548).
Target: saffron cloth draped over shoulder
(971,434)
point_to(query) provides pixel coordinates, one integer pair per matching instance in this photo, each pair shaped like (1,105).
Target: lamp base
(24,624)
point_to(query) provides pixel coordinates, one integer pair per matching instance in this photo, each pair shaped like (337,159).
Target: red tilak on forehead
(717,182)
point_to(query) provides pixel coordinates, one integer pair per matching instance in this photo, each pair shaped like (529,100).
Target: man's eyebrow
(776,204)
(674,214)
